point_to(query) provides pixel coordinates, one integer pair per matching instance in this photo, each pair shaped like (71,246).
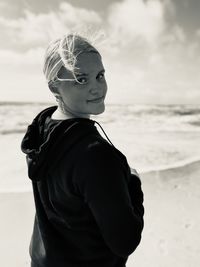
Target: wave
(176,171)
(189,165)
(12,131)
(22,103)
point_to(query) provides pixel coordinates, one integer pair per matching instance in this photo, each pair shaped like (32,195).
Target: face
(86,96)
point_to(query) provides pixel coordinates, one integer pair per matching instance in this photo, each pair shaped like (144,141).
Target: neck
(59,114)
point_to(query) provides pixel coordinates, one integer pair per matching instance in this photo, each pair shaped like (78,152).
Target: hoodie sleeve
(101,180)
(136,194)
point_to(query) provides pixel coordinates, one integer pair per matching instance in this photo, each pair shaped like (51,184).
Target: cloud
(146,57)
(22,45)
(151,58)
(12,59)
(21,76)
(198,33)
(3,4)
(35,30)
(133,19)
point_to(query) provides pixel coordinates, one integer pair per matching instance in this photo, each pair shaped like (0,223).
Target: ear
(53,88)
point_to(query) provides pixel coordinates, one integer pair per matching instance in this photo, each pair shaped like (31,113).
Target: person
(88,201)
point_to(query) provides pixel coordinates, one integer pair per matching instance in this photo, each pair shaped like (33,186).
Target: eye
(82,80)
(101,76)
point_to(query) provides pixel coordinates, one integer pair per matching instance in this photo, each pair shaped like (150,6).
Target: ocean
(152,137)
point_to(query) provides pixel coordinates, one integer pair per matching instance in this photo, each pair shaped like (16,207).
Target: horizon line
(16,102)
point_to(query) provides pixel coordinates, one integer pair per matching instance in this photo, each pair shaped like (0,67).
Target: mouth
(97,100)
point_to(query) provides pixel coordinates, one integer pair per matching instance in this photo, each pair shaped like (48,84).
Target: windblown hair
(63,52)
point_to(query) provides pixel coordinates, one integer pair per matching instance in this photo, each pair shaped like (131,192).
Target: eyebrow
(86,74)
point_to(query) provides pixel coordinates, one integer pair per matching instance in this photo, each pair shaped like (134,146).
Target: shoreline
(180,167)
(175,166)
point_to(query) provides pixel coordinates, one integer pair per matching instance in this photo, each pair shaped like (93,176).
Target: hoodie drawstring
(104,133)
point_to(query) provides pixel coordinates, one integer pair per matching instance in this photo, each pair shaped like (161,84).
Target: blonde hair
(63,52)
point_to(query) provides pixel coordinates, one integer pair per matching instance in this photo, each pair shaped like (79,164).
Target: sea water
(151,136)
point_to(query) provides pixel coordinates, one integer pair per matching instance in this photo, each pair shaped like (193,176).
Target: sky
(150,48)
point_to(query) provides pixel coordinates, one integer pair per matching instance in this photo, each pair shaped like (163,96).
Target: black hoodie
(89,207)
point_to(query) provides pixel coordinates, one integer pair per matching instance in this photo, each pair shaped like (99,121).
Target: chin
(99,110)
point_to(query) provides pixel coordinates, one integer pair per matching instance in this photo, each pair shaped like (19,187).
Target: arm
(102,182)
(136,194)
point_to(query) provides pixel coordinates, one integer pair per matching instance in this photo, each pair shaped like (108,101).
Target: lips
(96,99)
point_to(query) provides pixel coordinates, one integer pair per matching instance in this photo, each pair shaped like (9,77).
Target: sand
(17,212)
(172,221)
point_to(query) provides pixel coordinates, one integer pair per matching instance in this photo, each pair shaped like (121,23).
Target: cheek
(70,94)
(80,98)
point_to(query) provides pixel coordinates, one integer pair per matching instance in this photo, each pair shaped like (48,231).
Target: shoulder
(95,144)
(98,152)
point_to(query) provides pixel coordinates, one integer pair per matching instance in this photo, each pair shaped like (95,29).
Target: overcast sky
(151,49)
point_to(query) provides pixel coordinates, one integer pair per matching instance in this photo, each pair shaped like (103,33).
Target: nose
(95,91)
(98,89)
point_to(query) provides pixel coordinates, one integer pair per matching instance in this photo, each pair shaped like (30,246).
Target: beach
(167,157)
(17,213)
(172,221)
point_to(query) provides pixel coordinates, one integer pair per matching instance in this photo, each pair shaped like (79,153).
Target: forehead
(89,62)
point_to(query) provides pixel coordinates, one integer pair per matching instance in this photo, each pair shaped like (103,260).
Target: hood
(40,152)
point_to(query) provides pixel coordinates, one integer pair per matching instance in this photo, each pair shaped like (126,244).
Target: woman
(89,207)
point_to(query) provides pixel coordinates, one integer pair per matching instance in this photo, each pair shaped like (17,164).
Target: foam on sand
(176,167)
(177,174)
